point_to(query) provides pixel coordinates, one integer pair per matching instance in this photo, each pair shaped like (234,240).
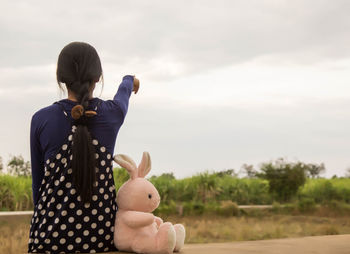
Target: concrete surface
(337,244)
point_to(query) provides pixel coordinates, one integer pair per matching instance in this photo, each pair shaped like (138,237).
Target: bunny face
(137,194)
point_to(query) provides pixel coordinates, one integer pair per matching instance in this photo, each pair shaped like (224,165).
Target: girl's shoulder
(60,106)
(45,112)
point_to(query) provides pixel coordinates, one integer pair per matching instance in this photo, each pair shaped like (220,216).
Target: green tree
(314,170)
(169,176)
(347,174)
(1,165)
(18,166)
(226,172)
(284,178)
(249,170)
(206,186)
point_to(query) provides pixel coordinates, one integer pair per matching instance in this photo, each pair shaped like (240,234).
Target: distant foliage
(15,193)
(18,166)
(1,165)
(214,192)
(249,170)
(315,170)
(208,187)
(347,174)
(227,172)
(120,177)
(323,191)
(169,176)
(285,178)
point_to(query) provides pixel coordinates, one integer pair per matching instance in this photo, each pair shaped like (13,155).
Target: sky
(222,83)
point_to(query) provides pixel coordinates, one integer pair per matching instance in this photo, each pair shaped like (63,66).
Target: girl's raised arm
(121,98)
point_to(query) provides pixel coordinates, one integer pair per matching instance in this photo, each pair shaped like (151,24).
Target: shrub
(284,178)
(120,177)
(306,205)
(228,209)
(193,208)
(166,209)
(212,208)
(15,193)
(324,190)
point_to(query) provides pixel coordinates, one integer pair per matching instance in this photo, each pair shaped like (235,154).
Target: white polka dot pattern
(61,222)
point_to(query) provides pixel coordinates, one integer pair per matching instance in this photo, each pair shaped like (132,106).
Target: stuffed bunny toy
(136,228)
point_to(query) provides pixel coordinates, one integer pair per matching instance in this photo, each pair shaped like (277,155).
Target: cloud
(222,83)
(187,36)
(188,140)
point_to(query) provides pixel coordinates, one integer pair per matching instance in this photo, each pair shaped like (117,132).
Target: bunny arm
(136,219)
(158,220)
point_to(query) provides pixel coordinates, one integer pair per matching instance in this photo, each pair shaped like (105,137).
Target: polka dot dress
(61,223)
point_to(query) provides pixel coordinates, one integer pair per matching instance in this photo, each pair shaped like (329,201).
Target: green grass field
(197,191)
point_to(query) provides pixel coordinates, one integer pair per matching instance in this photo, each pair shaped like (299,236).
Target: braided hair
(79,68)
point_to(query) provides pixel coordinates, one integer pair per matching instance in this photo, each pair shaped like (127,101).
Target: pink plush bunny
(136,228)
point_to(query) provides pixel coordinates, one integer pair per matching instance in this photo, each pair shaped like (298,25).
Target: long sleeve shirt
(50,127)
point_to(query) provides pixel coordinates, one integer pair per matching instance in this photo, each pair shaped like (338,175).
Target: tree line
(278,181)
(16,166)
(282,178)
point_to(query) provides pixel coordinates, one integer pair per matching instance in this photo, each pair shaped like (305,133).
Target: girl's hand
(136,85)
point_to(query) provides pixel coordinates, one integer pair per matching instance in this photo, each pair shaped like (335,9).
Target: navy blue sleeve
(121,98)
(37,158)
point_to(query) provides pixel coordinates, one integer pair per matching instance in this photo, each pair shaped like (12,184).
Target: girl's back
(50,127)
(72,143)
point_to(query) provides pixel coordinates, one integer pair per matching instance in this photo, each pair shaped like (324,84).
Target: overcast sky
(222,82)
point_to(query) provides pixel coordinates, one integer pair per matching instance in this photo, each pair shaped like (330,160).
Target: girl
(72,143)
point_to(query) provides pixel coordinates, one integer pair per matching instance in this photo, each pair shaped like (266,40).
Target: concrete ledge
(15,213)
(334,244)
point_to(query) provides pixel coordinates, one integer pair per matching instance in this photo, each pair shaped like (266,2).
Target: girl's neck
(72,97)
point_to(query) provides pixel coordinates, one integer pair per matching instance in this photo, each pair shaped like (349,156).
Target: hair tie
(78,111)
(90,113)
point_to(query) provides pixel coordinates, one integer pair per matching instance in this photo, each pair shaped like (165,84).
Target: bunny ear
(127,163)
(145,165)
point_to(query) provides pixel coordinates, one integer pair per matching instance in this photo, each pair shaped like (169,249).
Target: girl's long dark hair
(79,67)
